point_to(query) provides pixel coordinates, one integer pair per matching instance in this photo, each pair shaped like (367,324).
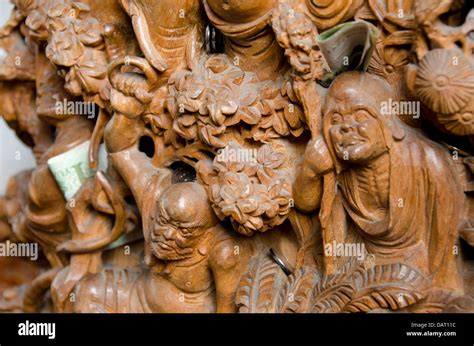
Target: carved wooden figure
(195,265)
(224,156)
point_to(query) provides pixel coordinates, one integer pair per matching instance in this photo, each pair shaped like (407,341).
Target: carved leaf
(261,286)
(440,300)
(332,293)
(299,290)
(393,286)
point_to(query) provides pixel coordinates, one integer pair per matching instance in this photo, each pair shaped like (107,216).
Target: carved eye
(336,119)
(185,232)
(361,116)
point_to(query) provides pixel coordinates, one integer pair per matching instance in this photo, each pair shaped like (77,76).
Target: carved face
(301,34)
(354,126)
(171,241)
(182,217)
(356,135)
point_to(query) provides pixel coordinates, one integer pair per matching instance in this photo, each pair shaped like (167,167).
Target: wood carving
(239,156)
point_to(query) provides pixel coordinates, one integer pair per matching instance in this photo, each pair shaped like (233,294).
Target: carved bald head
(353,125)
(182,217)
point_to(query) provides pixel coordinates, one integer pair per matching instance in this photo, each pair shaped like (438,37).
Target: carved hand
(121,133)
(317,157)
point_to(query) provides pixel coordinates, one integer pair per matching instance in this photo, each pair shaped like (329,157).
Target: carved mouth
(164,246)
(352,141)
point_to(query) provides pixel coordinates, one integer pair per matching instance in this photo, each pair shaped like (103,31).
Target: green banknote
(71,169)
(348,46)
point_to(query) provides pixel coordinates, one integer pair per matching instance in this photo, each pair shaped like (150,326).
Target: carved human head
(354,126)
(183,215)
(301,32)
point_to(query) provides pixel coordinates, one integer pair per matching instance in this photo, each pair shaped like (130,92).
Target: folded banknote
(71,169)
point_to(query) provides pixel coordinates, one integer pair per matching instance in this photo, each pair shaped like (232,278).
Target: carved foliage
(219,99)
(253,190)
(260,287)
(393,286)
(76,43)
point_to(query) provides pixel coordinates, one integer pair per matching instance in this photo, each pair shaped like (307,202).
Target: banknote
(348,46)
(71,169)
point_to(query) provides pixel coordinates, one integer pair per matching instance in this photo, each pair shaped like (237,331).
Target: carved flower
(64,49)
(59,10)
(236,197)
(35,19)
(224,163)
(186,126)
(397,20)
(37,16)
(460,123)
(218,95)
(281,117)
(388,62)
(244,202)
(210,135)
(218,102)
(90,75)
(59,17)
(445,80)
(254,193)
(269,160)
(89,31)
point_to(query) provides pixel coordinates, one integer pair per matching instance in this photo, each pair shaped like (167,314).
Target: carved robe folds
(424,206)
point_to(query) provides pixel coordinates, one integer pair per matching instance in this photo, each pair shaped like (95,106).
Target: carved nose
(346,127)
(168,233)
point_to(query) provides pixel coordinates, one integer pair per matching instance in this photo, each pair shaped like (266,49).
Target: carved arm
(307,188)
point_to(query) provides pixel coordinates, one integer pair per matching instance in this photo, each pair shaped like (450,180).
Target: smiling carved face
(356,135)
(354,126)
